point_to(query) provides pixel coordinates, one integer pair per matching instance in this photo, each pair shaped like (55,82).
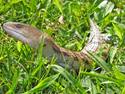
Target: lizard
(64,57)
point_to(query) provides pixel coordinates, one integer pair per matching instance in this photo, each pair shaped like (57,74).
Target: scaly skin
(64,57)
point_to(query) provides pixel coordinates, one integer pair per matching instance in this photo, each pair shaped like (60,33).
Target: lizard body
(64,57)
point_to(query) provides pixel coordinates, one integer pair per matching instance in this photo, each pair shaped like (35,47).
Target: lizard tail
(95,38)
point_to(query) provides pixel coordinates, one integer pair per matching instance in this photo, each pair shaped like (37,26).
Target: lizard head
(23,32)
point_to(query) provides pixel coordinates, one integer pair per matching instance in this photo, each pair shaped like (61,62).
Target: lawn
(24,70)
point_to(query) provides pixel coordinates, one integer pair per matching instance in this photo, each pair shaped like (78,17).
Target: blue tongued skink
(64,57)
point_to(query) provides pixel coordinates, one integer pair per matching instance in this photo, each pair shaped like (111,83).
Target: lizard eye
(18,26)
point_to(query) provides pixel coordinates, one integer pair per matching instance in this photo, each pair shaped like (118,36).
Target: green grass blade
(118,31)
(109,8)
(123,90)
(76,84)
(43,84)
(112,54)
(19,46)
(59,5)
(118,74)
(117,82)
(101,62)
(14,82)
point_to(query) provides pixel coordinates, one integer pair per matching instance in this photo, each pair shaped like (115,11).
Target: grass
(25,71)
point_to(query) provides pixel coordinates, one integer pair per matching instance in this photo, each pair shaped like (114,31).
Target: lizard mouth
(13,29)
